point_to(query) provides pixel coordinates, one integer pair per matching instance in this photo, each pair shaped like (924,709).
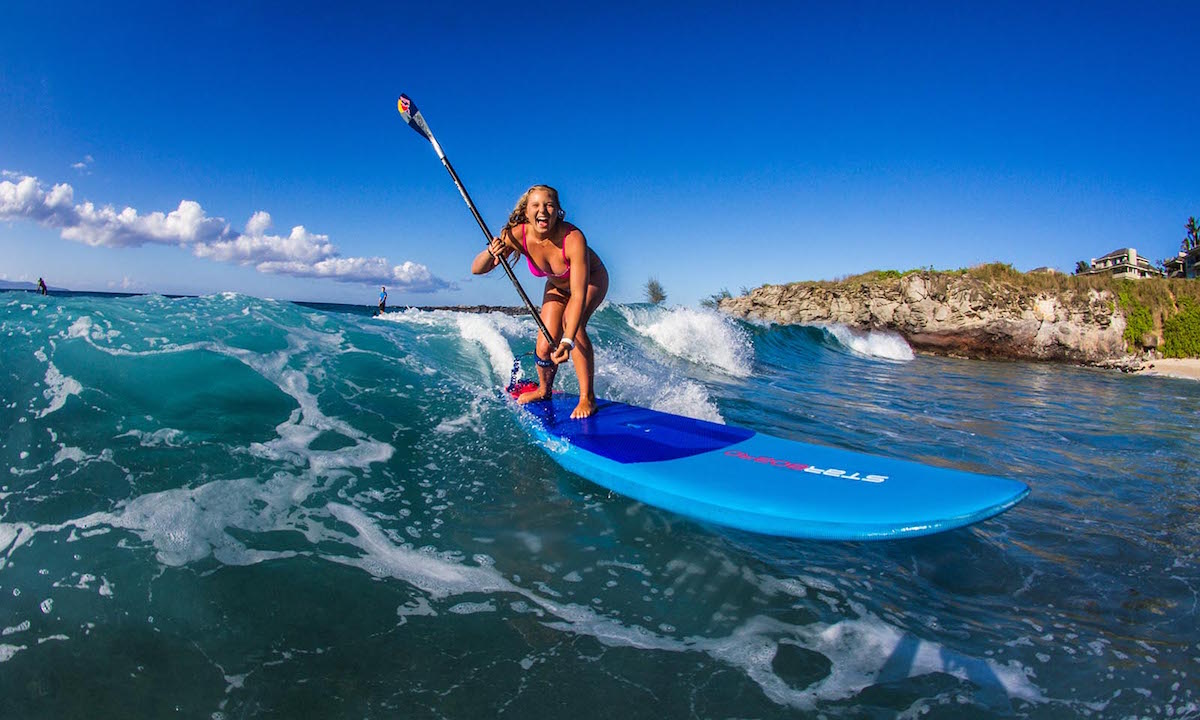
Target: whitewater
(229,506)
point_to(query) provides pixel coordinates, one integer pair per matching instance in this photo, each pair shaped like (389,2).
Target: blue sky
(176,148)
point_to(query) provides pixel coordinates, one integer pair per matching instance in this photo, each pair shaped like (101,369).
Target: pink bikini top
(537,272)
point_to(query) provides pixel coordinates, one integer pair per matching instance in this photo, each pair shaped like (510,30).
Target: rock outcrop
(956,315)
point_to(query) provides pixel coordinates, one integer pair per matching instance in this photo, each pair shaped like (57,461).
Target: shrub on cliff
(714,301)
(996,272)
(1181,331)
(1138,319)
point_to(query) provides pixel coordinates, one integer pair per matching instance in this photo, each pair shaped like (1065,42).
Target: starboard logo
(789,465)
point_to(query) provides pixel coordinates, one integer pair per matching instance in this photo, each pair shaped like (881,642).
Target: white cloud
(256,246)
(184,226)
(25,198)
(409,276)
(299,254)
(84,165)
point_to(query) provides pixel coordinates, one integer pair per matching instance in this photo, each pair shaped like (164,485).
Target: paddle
(412,116)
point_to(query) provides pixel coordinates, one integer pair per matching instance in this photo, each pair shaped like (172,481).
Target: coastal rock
(507,310)
(961,316)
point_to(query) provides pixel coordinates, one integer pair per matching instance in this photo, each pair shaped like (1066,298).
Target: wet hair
(517,217)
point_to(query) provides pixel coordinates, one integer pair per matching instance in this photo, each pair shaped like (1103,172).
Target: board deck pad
(737,477)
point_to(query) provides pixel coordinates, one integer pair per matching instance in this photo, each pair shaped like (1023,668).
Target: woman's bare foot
(532,396)
(585,408)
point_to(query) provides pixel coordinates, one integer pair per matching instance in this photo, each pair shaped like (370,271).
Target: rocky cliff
(956,315)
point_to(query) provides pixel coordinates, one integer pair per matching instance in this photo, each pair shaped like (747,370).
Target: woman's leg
(583,356)
(553,304)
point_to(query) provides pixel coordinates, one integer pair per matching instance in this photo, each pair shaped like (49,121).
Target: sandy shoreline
(1172,367)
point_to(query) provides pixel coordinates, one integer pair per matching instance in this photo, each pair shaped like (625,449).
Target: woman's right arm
(489,257)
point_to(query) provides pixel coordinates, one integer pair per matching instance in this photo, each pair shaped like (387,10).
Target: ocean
(234,507)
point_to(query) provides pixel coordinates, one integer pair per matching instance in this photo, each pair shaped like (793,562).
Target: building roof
(1116,253)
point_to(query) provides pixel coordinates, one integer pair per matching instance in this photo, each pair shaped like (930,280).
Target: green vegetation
(714,300)
(1191,241)
(871,277)
(1139,321)
(654,292)
(1181,331)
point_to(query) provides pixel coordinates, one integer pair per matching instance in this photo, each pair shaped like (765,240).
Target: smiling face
(541,210)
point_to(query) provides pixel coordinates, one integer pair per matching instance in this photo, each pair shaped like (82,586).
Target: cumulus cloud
(255,246)
(300,253)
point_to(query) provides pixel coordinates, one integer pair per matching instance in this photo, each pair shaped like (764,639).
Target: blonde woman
(576,283)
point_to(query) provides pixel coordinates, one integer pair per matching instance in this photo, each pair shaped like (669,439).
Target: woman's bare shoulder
(513,235)
(572,234)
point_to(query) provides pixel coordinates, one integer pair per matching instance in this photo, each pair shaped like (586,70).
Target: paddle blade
(412,116)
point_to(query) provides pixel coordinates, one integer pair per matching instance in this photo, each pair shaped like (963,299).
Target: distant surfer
(576,283)
(382,300)
(42,287)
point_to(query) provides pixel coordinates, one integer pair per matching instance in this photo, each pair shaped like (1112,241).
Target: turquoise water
(231,507)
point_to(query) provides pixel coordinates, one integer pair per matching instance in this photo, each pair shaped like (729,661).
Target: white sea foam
(81,328)
(189,524)
(304,425)
(59,387)
(471,420)
(471,608)
(637,381)
(705,337)
(490,330)
(168,437)
(485,330)
(874,343)
(13,536)
(73,454)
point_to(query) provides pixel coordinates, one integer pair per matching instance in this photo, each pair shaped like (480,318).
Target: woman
(576,282)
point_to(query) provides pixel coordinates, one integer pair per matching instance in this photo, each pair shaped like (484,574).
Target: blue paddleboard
(741,478)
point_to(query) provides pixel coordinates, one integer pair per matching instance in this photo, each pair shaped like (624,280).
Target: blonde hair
(517,216)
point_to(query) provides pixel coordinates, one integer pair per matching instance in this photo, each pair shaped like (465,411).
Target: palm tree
(654,292)
(1191,241)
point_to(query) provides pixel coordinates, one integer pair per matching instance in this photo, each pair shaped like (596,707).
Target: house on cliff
(1184,265)
(1123,263)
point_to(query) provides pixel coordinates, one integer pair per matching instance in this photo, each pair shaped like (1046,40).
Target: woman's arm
(489,257)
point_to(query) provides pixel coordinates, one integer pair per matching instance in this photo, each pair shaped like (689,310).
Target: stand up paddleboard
(741,478)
